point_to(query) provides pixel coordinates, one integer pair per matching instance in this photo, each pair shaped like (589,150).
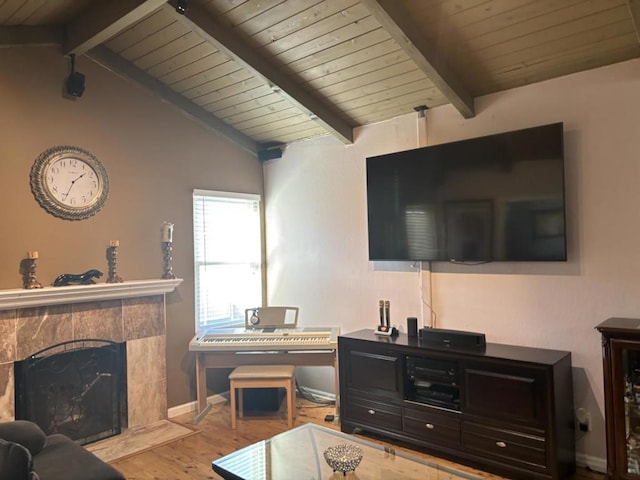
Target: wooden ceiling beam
(118,65)
(634,10)
(406,33)
(103,20)
(30,36)
(225,40)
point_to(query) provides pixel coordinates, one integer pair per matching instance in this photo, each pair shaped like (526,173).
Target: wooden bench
(263,376)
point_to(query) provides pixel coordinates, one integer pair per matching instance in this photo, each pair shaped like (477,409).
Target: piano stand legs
(196,420)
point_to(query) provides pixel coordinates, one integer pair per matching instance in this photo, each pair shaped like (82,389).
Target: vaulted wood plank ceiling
(268,72)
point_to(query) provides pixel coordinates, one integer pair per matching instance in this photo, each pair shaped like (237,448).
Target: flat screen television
(493,198)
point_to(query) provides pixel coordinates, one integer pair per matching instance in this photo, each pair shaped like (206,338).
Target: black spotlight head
(75,84)
(182,7)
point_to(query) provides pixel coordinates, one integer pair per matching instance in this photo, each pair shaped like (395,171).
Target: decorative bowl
(343,458)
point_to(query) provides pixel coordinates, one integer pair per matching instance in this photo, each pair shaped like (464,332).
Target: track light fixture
(182,7)
(75,80)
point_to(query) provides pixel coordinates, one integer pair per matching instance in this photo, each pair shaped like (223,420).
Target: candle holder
(167,248)
(29,280)
(112,260)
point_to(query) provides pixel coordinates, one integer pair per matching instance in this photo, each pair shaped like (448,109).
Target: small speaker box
(412,326)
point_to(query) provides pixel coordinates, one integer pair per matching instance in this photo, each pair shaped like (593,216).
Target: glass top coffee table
(298,455)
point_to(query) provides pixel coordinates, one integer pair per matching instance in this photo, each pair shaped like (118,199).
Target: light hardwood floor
(190,458)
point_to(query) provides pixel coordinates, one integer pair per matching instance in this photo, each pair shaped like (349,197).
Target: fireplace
(77,388)
(129,314)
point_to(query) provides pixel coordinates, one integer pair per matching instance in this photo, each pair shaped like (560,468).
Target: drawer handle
(371,412)
(501,444)
(429,426)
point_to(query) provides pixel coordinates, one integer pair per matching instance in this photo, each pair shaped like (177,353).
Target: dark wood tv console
(504,409)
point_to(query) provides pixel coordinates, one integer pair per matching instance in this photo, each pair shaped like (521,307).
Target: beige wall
(154,156)
(317,232)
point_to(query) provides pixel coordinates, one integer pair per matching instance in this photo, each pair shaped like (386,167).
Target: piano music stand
(271,317)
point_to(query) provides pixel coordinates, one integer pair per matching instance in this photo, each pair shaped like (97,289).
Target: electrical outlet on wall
(583,420)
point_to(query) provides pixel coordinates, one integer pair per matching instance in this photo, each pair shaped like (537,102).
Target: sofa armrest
(16,462)
(26,433)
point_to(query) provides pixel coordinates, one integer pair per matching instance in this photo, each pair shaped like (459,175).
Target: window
(227,256)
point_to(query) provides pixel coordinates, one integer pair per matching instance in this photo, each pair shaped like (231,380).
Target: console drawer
(374,413)
(432,426)
(517,448)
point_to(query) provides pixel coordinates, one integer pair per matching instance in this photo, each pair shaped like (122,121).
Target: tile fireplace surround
(132,312)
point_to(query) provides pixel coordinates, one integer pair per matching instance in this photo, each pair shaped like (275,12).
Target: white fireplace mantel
(22,298)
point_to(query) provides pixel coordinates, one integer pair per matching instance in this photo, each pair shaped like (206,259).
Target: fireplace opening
(77,388)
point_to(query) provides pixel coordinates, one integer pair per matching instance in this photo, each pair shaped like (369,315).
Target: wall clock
(69,182)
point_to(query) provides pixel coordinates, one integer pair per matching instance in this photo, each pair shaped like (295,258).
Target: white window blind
(227,255)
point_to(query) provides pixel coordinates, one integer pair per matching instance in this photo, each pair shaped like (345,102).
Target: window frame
(198,263)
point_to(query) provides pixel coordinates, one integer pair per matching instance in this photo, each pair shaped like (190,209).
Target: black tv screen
(493,198)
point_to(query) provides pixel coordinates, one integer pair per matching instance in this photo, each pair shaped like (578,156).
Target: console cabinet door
(375,373)
(507,393)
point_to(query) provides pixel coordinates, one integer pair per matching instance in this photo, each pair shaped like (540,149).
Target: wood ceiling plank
(138,32)
(207,82)
(274,108)
(21,15)
(634,11)
(56,12)
(507,18)
(277,41)
(585,57)
(223,6)
(232,90)
(154,41)
(250,9)
(170,50)
(340,63)
(359,71)
(289,124)
(287,18)
(30,35)
(408,35)
(373,77)
(457,32)
(240,78)
(245,102)
(283,127)
(8,8)
(397,110)
(432,14)
(266,119)
(339,38)
(424,86)
(308,132)
(194,68)
(549,24)
(180,60)
(343,98)
(211,30)
(556,46)
(352,46)
(118,65)
(102,21)
(412,98)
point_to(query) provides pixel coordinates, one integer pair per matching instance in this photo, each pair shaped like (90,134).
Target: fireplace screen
(76,388)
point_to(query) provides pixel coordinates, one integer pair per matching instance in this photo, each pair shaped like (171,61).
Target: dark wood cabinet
(503,409)
(621,369)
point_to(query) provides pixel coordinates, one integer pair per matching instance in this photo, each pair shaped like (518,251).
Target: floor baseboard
(597,464)
(192,406)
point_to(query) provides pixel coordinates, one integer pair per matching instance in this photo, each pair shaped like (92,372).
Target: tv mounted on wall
(493,198)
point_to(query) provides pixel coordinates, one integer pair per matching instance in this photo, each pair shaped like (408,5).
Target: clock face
(72,182)
(69,182)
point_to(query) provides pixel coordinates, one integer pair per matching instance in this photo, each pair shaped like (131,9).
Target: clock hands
(72,184)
